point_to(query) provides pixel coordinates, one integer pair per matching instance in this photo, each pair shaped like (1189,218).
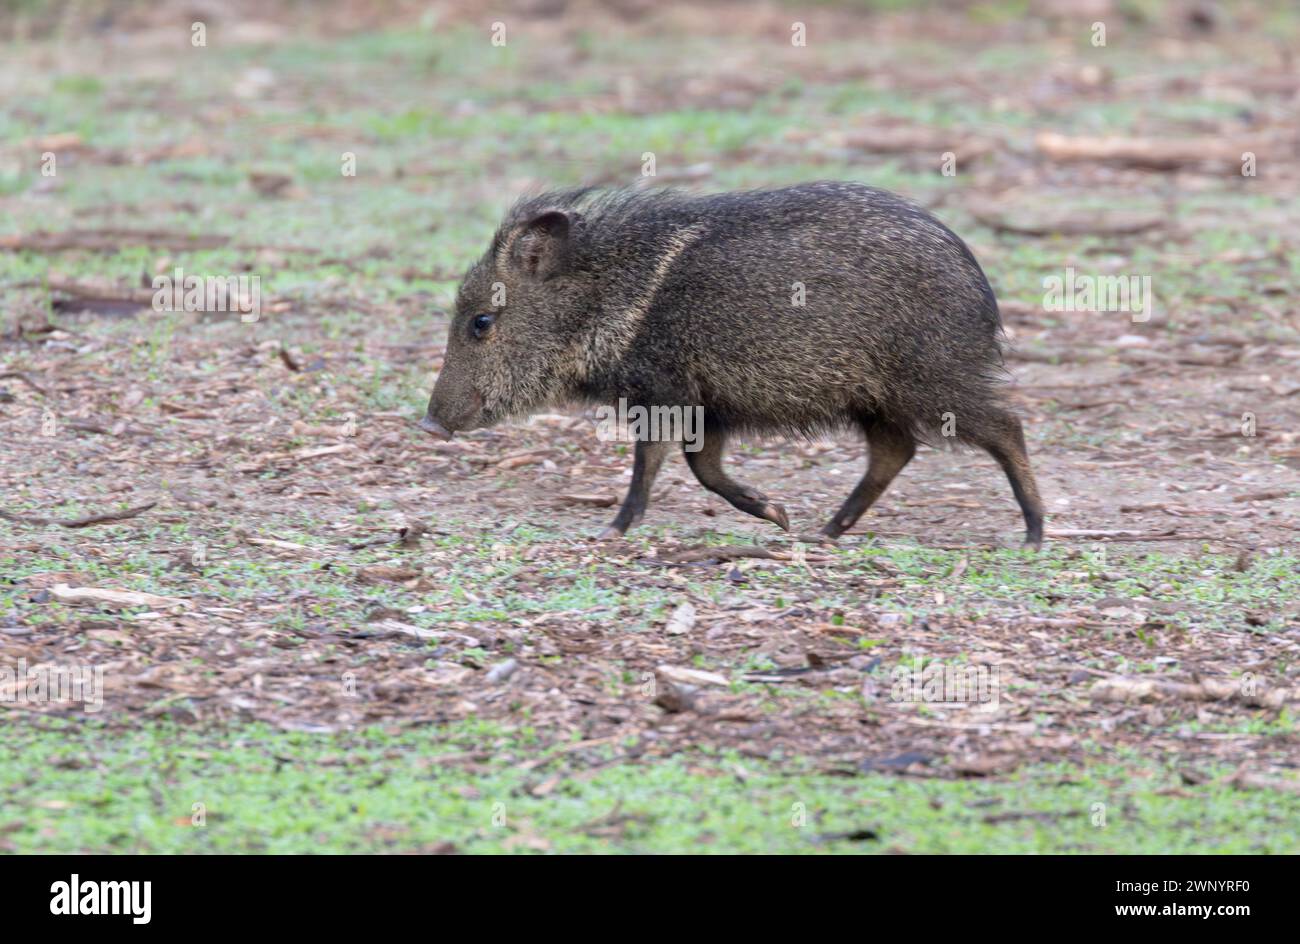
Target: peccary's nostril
(434,428)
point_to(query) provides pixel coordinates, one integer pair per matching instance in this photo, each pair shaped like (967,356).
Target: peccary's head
(511,347)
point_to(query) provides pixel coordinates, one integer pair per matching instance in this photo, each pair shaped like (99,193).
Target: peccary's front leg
(707,466)
(649,457)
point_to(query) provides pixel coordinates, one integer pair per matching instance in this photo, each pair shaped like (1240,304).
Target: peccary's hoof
(775,514)
(610,534)
(830,533)
(820,537)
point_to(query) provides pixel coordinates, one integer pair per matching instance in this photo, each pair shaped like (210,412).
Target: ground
(362,639)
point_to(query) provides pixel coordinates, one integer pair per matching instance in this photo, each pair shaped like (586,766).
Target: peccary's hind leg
(1005,441)
(891,448)
(649,457)
(706,463)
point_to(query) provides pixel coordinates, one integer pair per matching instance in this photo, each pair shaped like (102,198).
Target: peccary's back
(807,307)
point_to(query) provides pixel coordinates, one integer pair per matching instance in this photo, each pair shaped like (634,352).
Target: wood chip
(1127,689)
(682,621)
(123,598)
(285,547)
(685,676)
(598,501)
(1150,153)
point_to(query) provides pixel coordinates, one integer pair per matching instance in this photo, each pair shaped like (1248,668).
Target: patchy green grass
(477,578)
(1202,590)
(84,788)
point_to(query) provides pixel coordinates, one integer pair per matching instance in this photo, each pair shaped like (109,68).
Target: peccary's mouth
(442,423)
(434,428)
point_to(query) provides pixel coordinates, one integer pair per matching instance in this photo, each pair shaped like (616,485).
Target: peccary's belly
(776,367)
(769,387)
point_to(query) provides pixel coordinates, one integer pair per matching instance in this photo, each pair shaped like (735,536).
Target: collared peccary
(792,311)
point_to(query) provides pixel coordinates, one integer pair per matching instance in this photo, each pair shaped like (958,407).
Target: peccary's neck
(634,263)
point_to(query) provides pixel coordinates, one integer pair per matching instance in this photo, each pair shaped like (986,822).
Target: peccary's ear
(541,248)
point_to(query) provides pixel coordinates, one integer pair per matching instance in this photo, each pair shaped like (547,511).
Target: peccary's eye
(481,323)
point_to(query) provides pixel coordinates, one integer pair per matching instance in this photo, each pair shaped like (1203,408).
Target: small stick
(19,375)
(80,522)
(736,552)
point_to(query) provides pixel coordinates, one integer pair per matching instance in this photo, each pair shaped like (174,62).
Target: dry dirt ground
(318,564)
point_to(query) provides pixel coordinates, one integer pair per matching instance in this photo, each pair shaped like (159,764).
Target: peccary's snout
(454,406)
(434,428)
